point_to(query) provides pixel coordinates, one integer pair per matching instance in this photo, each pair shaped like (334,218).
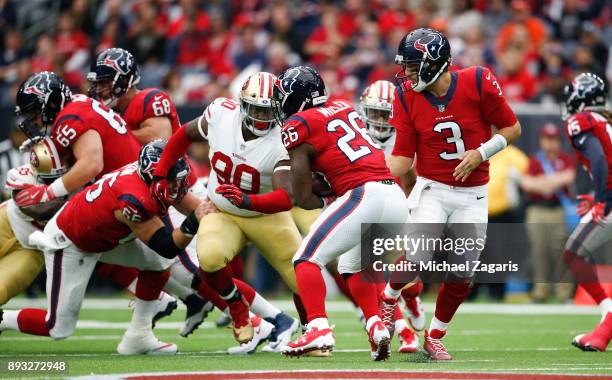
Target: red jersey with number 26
(88,219)
(148,103)
(599,126)
(344,152)
(439,130)
(82,114)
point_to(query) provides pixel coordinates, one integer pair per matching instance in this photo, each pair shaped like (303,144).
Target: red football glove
(586,204)
(598,212)
(160,189)
(233,194)
(33,195)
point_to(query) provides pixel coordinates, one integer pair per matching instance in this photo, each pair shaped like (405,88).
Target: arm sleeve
(67,130)
(175,148)
(133,209)
(295,131)
(493,104)
(156,104)
(587,144)
(406,137)
(578,124)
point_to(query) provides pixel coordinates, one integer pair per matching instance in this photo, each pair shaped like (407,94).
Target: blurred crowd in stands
(194,48)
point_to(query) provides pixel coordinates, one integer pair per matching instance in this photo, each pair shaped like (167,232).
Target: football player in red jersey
(100,223)
(330,138)
(589,129)
(445,119)
(150,114)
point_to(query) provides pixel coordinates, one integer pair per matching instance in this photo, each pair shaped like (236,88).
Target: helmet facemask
(377,122)
(259,119)
(420,73)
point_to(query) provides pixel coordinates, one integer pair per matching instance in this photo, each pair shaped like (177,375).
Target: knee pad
(213,256)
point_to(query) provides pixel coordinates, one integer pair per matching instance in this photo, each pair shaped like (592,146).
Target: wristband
(190,225)
(493,146)
(58,188)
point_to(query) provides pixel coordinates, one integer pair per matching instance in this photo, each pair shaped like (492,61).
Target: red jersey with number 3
(439,130)
(599,126)
(83,114)
(148,103)
(88,219)
(344,152)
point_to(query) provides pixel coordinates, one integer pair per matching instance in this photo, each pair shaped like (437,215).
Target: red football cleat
(312,340)
(598,339)
(409,341)
(380,339)
(387,311)
(434,346)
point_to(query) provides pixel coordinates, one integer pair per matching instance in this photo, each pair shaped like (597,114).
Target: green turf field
(478,341)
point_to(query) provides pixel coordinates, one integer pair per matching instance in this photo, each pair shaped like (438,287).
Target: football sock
(365,294)
(221,280)
(263,308)
(237,265)
(391,292)
(450,296)
(9,320)
(31,321)
(399,279)
(119,274)
(437,324)
(233,296)
(320,323)
(208,293)
(412,290)
(343,288)
(585,274)
(301,310)
(150,284)
(144,311)
(247,291)
(606,307)
(312,290)
(175,288)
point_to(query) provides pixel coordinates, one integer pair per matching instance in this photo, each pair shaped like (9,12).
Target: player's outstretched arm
(194,131)
(153,128)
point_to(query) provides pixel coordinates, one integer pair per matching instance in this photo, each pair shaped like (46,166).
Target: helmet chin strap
(421,85)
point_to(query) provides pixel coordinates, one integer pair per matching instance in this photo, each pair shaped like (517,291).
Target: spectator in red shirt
(517,82)
(550,173)
(190,45)
(326,37)
(395,16)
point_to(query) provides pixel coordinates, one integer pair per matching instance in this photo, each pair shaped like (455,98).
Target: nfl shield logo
(441,107)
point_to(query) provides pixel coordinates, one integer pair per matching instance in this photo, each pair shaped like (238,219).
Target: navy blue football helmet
(178,175)
(297,89)
(44,94)
(425,54)
(586,90)
(118,70)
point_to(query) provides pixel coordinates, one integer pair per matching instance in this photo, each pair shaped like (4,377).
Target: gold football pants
(221,236)
(18,266)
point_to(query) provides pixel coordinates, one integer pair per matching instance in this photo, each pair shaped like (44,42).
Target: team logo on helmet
(285,85)
(114,63)
(34,161)
(36,87)
(584,84)
(430,45)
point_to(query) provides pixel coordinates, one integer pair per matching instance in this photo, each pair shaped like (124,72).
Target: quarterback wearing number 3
(445,118)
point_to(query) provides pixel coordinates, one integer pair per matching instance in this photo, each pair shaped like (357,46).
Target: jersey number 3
(455,139)
(350,133)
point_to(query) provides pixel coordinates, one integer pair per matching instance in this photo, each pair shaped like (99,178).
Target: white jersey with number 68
(248,165)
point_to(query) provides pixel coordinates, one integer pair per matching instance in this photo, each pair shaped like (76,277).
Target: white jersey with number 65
(248,165)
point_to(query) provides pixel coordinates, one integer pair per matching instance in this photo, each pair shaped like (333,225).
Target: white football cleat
(409,341)
(143,342)
(262,330)
(166,304)
(416,313)
(284,328)
(197,311)
(380,340)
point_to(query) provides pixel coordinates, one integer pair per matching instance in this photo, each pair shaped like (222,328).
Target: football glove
(33,195)
(598,213)
(586,204)
(160,189)
(233,194)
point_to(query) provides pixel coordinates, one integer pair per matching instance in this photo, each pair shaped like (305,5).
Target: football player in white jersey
(20,262)
(375,107)
(249,186)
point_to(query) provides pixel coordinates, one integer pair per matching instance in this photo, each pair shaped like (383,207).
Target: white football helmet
(375,106)
(256,103)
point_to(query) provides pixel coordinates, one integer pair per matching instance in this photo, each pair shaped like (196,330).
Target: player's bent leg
(304,219)
(18,268)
